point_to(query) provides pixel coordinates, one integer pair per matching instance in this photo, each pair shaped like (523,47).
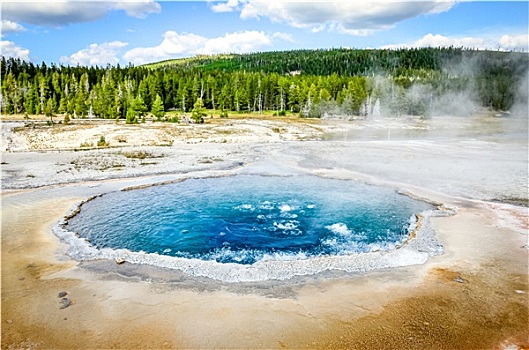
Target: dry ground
(475,296)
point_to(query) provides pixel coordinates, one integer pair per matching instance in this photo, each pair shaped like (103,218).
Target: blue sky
(122,31)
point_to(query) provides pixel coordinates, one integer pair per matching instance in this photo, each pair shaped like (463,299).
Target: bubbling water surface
(246,218)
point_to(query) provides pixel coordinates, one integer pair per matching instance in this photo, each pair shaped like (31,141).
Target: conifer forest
(311,83)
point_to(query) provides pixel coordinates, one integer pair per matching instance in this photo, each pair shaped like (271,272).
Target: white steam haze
(457,92)
(521,105)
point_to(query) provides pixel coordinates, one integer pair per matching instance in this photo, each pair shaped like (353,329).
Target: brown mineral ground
(474,296)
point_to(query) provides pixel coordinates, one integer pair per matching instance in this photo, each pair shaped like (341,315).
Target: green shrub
(102,142)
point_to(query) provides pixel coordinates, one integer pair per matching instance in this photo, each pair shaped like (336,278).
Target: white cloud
(353,17)
(58,13)
(504,43)
(514,42)
(173,45)
(283,36)
(10,49)
(228,6)
(138,9)
(11,27)
(443,41)
(236,42)
(96,54)
(176,45)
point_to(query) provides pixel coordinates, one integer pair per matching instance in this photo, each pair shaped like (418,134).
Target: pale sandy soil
(475,296)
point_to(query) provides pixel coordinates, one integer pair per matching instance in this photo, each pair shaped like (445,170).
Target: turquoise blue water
(246,218)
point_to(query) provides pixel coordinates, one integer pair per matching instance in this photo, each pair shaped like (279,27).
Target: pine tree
(48,109)
(157,108)
(199,112)
(131,117)
(137,108)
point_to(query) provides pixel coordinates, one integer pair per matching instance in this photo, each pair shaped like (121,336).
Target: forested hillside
(309,82)
(325,62)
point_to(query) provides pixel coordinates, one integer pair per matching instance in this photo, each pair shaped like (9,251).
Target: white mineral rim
(415,249)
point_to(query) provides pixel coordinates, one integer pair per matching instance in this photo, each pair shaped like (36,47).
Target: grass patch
(139,155)
(227,132)
(114,166)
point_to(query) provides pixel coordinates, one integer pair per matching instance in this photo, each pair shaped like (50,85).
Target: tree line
(309,82)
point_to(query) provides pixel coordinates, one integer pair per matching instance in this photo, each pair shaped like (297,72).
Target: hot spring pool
(245,219)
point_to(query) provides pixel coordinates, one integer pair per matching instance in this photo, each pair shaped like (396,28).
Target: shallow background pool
(246,218)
